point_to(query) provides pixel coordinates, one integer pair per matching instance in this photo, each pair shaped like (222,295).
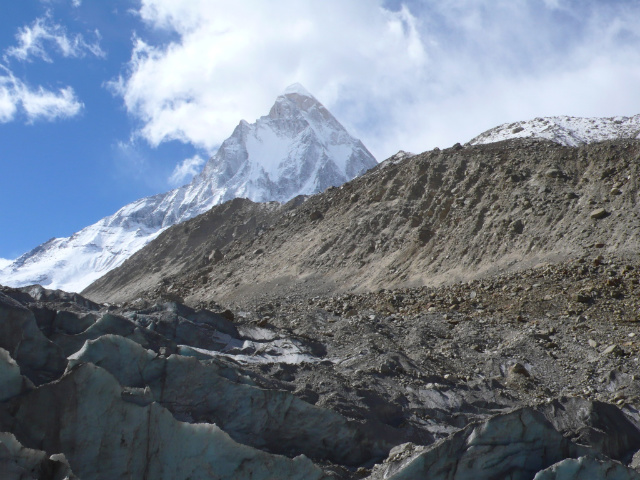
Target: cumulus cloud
(410,75)
(16,97)
(35,40)
(233,59)
(185,170)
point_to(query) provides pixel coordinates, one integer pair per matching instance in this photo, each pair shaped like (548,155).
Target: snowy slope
(569,131)
(299,148)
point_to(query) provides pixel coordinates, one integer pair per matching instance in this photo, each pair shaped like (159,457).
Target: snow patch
(5,262)
(565,130)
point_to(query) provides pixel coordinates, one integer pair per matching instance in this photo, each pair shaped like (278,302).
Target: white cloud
(5,262)
(8,100)
(233,59)
(426,73)
(48,105)
(35,40)
(186,170)
(35,104)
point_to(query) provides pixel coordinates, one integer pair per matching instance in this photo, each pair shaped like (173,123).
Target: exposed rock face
(299,148)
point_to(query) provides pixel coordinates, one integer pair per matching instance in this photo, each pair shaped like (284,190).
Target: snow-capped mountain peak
(296,89)
(565,130)
(299,148)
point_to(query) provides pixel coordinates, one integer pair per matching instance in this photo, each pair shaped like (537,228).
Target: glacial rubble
(511,376)
(440,217)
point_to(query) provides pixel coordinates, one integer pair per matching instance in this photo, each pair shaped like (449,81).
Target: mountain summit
(299,148)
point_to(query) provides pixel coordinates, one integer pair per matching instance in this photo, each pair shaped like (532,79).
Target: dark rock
(599,213)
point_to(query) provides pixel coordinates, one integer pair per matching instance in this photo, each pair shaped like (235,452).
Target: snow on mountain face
(299,148)
(569,131)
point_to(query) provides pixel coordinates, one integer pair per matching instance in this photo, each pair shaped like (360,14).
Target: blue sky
(102,103)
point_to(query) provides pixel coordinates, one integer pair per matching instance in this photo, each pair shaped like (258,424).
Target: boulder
(599,213)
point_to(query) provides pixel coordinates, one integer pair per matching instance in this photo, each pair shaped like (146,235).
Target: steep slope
(569,131)
(437,217)
(299,148)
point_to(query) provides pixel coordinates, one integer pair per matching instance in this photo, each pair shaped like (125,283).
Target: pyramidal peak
(297,89)
(299,148)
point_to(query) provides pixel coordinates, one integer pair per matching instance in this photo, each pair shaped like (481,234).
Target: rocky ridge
(438,217)
(565,130)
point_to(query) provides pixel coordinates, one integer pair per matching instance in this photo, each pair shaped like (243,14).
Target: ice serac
(299,148)
(85,415)
(565,130)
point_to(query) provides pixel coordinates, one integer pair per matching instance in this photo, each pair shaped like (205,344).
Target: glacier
(299,148)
